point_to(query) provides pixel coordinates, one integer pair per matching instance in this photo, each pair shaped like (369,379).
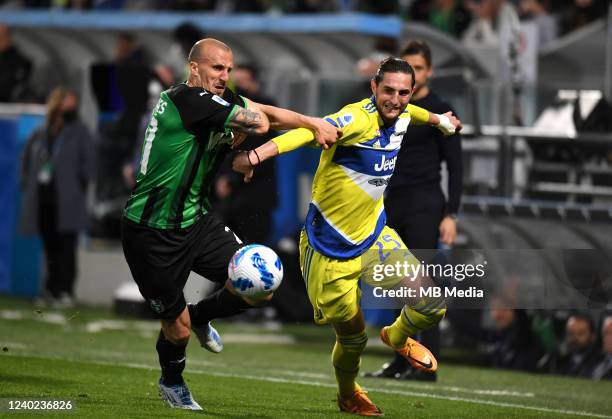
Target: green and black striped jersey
(185,142)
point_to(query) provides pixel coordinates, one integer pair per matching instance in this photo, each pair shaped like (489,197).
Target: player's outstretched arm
(447,122)
(246,161)
(280,119)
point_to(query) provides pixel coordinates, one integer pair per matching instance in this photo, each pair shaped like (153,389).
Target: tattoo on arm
(246,121)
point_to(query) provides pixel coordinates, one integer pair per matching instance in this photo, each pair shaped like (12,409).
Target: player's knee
(178,335)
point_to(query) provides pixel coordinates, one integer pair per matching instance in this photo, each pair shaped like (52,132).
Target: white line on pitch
(374,389)
(455,389)
(412,393)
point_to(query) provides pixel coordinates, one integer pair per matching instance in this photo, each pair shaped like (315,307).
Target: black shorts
(160,260)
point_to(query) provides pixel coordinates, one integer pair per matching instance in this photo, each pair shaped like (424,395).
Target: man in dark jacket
(581,354)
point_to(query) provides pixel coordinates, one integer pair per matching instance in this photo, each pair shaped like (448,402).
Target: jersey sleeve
(293,140)
(351,120)
(418,115)
(200,109)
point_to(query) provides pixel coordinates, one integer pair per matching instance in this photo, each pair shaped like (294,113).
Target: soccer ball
(255,271)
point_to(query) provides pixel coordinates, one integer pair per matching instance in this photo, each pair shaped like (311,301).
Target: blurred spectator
(537,11)
(128,50)
(495,22)
(247,208)
(496,25)
(58,163)
(579,354)
(512,343)
(14,69)
(449,16)
(580,13)
(183,38)
(384,47)
(603,370)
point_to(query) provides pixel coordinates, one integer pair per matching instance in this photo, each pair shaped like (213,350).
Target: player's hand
(241,164)
(449,124)
(238,138)
(448,230)
(325,133)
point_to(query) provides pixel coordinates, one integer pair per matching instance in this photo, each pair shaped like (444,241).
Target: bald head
(205,47)
(210,63)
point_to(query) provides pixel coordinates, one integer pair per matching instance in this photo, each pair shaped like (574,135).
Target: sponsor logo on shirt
(220,100)
(379,182)
(385,164)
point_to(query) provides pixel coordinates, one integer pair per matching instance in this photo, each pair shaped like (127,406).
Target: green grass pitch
(108,367)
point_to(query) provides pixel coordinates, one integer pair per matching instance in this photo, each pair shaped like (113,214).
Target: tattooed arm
(250,120)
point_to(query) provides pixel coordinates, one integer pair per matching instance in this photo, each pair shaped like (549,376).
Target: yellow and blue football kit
(345,233)
(346,217)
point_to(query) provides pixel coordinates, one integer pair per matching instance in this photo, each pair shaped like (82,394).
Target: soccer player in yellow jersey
(346,218)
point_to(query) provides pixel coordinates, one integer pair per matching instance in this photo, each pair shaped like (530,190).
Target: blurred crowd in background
(482,22)
(576,344)
(459,18)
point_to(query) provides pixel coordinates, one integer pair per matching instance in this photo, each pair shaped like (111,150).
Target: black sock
(217,305)
(171,360)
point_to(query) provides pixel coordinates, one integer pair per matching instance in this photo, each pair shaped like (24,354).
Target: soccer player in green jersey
(166,229)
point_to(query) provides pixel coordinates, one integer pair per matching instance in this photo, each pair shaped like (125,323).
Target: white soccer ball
(255,271)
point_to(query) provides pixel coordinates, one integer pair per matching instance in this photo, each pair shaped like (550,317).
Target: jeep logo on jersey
(385,164)
(379,182)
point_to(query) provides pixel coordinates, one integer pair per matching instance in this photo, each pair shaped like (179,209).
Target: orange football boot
(418,355)
(359,404)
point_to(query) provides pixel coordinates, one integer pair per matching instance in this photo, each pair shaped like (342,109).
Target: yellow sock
(414,320)
(346,358)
